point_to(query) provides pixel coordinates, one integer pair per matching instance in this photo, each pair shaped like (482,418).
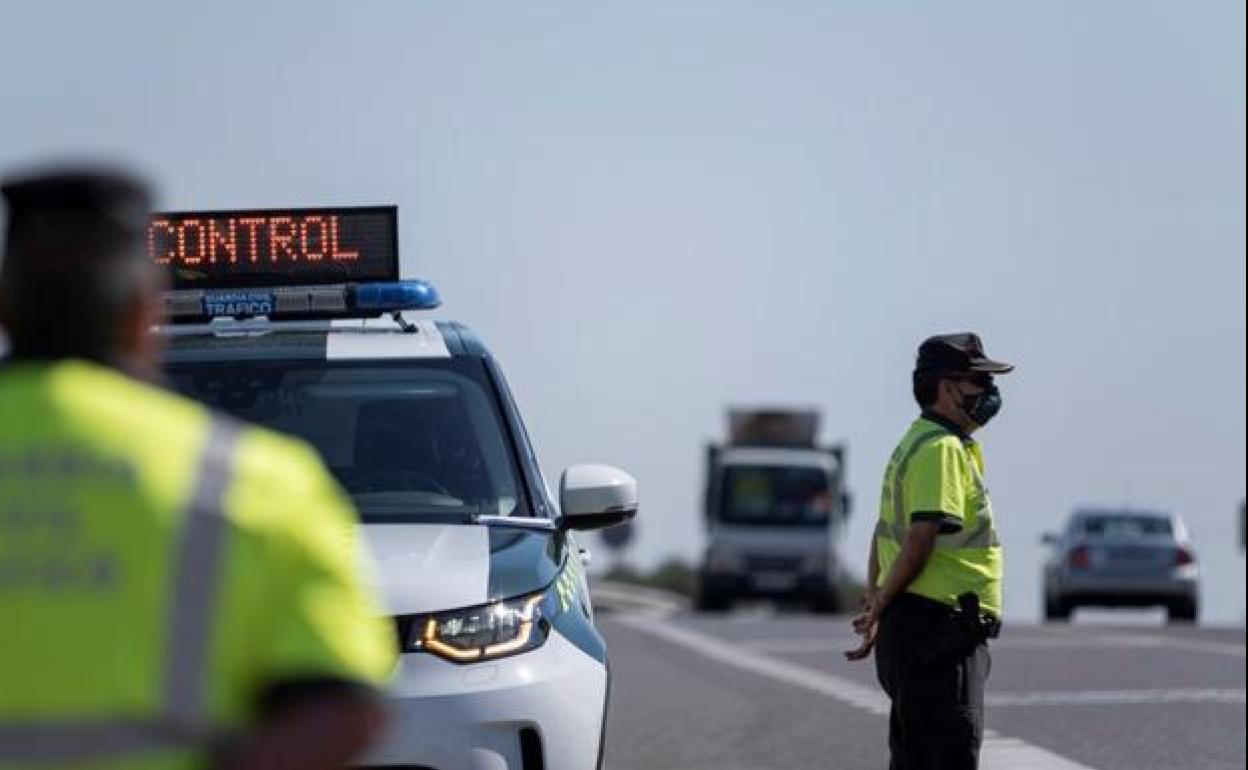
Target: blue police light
(394,296)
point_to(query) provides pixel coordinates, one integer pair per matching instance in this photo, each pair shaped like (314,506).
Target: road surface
(762,691)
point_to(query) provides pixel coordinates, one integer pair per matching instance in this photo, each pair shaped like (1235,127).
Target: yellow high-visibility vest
(159,568)
(934,474)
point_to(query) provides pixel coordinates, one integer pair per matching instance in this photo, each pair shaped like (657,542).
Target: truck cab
(774,506)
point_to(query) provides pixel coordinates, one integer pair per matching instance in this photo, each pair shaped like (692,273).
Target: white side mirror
(596,497)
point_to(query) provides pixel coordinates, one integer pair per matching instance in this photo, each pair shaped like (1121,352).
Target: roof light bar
(366,300)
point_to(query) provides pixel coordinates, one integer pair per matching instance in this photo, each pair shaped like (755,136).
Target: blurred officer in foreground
(934,580)
(176,590)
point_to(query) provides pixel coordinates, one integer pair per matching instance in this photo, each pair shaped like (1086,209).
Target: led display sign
(276,247)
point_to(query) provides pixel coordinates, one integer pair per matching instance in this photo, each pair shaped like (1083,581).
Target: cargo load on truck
(773,427)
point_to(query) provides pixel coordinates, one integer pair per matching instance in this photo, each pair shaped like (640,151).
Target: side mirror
(596,497)
(1049,538)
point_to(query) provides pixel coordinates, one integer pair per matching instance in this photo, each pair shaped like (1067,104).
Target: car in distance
(1114,558)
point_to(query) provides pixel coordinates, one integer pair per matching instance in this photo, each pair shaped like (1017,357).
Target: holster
(979,625)
(964,629)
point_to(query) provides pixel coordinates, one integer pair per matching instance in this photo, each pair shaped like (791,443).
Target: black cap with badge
(955,353)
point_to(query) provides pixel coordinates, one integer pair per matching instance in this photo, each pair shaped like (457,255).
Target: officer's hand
(868,619)
(867,625)
(868,635)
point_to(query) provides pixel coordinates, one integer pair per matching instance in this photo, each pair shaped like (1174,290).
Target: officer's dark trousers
(935,676)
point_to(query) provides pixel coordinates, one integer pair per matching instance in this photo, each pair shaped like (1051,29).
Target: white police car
(501,666)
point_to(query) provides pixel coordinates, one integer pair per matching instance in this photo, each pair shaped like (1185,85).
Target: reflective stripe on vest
(898,528)
(981,535)
(182,722)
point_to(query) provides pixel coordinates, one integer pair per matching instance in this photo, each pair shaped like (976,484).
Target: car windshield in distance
(1126,526)
(410,442)
(775,494)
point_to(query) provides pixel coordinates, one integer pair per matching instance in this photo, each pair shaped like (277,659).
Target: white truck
(775,503)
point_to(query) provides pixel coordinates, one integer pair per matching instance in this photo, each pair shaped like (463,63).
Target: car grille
(772,563)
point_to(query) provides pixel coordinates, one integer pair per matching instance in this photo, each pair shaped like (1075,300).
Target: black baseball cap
(957,353)
(64,209)
(73,259)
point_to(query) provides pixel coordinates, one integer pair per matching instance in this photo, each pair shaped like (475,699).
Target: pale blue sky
(652,209)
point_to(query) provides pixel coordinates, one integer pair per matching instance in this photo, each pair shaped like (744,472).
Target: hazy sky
(651,209)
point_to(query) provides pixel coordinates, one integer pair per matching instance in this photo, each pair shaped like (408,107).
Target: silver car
(1114,558)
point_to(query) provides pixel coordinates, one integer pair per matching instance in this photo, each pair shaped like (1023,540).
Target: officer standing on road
(176,590)
(934,596)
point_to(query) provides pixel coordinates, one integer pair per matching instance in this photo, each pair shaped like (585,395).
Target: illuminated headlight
(487,632)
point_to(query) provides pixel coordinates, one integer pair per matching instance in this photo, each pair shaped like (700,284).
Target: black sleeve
(948,524)
(280,697)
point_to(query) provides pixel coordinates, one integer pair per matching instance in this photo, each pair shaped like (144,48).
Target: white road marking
(1175,643)
(800,646)
(1116,697)
(844,690)
(1101,641)
(998,753)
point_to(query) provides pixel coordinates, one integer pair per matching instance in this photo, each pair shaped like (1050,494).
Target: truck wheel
(1056,609)
(826,604)
(713,603)
(1183,611)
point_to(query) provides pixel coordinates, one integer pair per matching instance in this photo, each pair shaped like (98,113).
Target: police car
(296,320)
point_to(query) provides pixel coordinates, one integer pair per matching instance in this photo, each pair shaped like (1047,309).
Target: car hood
(420,568)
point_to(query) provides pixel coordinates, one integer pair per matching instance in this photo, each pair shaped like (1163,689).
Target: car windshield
(1126,526)
(773,494)
(416,441)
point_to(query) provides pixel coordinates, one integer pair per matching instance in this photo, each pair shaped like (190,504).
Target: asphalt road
(754,691)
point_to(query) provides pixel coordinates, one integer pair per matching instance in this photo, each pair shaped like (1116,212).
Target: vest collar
(948,425)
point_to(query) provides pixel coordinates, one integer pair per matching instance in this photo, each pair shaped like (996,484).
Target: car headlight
(487,632)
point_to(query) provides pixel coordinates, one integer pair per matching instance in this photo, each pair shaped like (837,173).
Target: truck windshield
(417,441)
(773,494)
